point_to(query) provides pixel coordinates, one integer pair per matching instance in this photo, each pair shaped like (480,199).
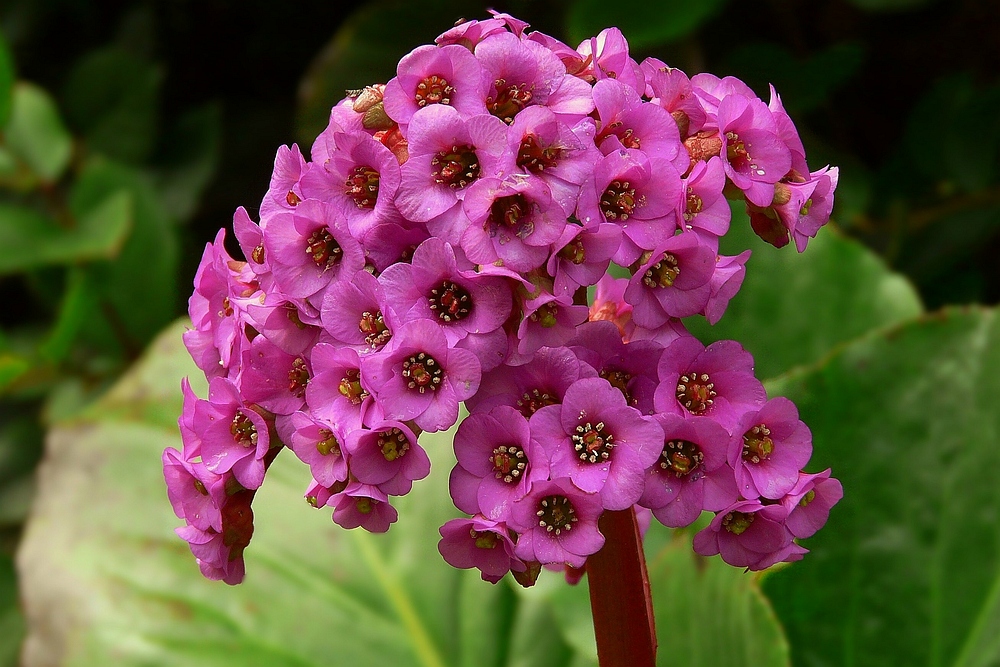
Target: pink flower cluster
(437,250)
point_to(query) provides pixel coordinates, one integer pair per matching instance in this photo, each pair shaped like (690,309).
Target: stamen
(593,443)
(695,392)
(450,302)
(422,372)
(433,89)
(556,514)
(457,167)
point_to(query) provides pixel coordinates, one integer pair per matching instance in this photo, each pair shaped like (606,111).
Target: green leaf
(7,76)
(105,581)
(31,239)
(12,367)
(138,291)
(366,50)
(645,24)
(794,308)
(719,611)
(78,304)
(906,571)
(36,134)
(190,160)
(11,619)
(112,98)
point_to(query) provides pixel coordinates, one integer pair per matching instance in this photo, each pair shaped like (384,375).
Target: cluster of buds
(438,249)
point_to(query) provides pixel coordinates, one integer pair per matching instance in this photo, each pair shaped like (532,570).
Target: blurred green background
(131,131)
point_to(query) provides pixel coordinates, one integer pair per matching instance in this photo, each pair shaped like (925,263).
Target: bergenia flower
(437,248)
(480,543)
(597,441)
(557,523)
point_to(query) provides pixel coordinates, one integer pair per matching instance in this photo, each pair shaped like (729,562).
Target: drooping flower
(691,474)
(748,534)
(557,523)
(480,543)
(809,502)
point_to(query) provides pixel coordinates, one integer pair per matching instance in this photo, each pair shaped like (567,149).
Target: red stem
(619,595)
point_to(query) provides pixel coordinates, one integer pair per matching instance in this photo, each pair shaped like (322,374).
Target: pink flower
(480,543)
(597,441)
(557,524)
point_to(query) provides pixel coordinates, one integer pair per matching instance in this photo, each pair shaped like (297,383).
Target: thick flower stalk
(438,248)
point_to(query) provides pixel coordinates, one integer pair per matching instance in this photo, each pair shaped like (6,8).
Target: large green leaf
(794,308)
(35,132)
(645,24)
(907,571)
(105,581)
(138,291)
(31,239)
(707,613)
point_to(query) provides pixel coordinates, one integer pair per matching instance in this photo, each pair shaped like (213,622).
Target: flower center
(694,205)
(593,443)
(227,307)
(292,313)
(619,201)
(681,457)
(243,430)
(545,315)
(737,522)
(574,251)
(292,199)
(298,378)
(328,443)
(323,249)
(422,372)
(556,514)
(806,499)
(533,157)
(739,155)
(200,487)
(757,444)
(362,186)
(450,302)
(804,211)
(619,380)
(350,386)
(456,168)
(695,392)
(365,505)
(508,100)
(508,462)
(513,214)
(534,400)
(484,539)
(257,254)
(393,443)
(372,325)
(433,89)
(663,273)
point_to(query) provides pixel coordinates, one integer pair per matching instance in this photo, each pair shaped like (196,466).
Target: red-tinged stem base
(619,595)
